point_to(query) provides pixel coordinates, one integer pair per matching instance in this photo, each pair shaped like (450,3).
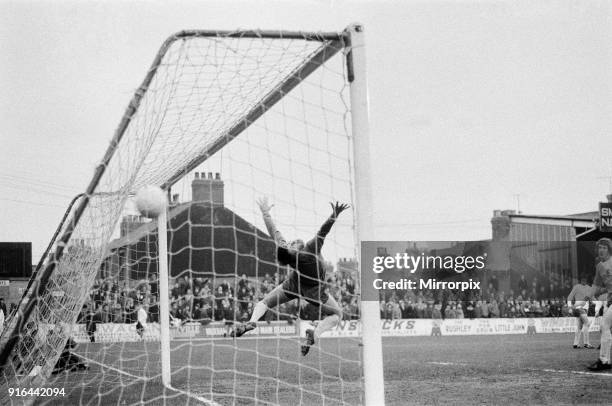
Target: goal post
(370,310)
(272,113)
(164,294)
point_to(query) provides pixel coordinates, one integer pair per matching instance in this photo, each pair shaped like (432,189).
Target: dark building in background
(15,259)
(205,239)
(15,269)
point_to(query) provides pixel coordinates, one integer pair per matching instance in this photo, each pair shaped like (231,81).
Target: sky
(474,105)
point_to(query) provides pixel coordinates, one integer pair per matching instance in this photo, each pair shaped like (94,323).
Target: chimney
(207,189)
(500,224)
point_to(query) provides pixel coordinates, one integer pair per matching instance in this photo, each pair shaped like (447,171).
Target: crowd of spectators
(424,306)
(204,300)
(531,300)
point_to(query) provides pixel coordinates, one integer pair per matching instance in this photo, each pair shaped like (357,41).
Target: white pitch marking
(201,399)
(532,369)
(191,395)
(142,378)
(571,372)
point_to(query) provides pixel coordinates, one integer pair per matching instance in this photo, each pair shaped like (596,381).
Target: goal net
(221,119)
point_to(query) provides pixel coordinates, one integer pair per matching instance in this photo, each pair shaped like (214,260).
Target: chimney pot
(207,189)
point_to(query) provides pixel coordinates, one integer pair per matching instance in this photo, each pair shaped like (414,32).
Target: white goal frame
(351,41)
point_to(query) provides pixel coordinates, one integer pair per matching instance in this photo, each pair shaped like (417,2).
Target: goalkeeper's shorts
(313,294)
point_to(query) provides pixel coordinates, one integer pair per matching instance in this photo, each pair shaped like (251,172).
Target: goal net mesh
(220,121)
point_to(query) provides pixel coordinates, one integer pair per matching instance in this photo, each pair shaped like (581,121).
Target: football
(151,201)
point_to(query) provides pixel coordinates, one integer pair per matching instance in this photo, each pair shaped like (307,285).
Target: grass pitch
(539,369)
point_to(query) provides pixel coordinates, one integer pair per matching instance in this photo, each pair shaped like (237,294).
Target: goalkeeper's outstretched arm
(265,208)
(316,243)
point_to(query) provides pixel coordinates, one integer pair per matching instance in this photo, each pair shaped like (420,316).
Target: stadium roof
(572,220)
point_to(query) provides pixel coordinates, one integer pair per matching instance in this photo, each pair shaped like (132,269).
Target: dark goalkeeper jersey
(308,262)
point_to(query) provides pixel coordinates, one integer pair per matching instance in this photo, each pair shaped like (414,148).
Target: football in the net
(151,201)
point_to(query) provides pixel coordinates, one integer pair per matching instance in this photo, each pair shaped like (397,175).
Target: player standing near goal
(306,280)
(578,300)
(603,283)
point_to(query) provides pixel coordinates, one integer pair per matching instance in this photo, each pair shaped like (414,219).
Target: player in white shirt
(577,300)
(602,283)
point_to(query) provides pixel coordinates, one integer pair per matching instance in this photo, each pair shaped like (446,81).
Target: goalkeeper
(306,279)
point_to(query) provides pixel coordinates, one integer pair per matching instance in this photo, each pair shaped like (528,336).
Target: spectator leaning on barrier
(459,311)
(436,311)
(494,308)
(470,312)
(420,308)
(502,306)
(484,309)
(449,313)
(404,309)
(429,308)
(477,310)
